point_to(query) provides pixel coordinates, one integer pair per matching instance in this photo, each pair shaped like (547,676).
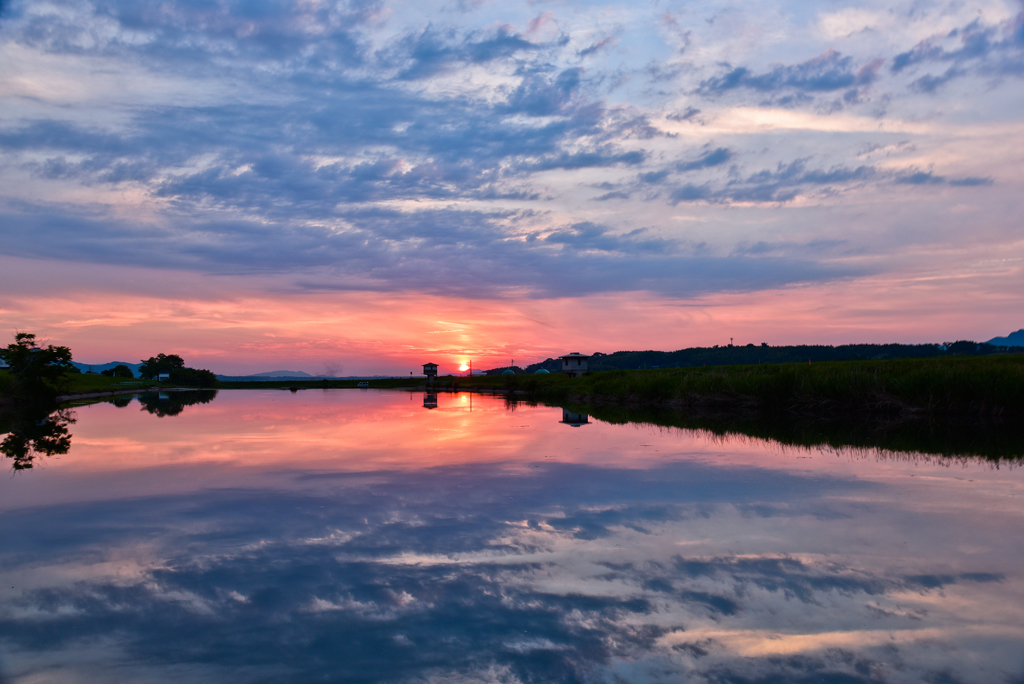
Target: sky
(362,187)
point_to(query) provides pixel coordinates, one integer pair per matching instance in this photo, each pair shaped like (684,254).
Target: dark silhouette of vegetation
(178,373)
(35,429)
(161,363)
(957,388)
(28,407)
(35,372)
(193,377)
(751,354)
(118,371)
(993,440)
(162,404)
(971,348)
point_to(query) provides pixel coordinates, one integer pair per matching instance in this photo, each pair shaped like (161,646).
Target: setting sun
(463,367)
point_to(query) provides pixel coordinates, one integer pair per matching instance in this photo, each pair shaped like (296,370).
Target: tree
(32,366)
(161,363)
(118,371)
(193,377)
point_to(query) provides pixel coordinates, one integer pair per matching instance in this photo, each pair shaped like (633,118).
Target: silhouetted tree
(161,363)
(118,371)
(31,367)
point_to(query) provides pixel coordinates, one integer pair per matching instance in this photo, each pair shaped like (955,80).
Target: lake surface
(359,536)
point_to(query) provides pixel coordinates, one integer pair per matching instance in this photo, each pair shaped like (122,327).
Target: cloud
(709,159)
(594,48)
(975,48)
(787,181)
(342,147)
(452,252)
(827,72)
(589,236)
(432,51)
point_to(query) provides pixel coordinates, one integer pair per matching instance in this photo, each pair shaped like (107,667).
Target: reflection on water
(351,536)
(996,438)
(172,402)
(574,419)
(36,431)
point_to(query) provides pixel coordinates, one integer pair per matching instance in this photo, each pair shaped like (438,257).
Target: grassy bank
(85,382)
(978,388)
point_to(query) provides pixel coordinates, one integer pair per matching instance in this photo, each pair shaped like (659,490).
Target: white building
(574,365)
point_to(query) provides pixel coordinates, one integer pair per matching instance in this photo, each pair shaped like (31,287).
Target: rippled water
(358,536)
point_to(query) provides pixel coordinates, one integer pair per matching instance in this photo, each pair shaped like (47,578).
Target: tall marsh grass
(978,386)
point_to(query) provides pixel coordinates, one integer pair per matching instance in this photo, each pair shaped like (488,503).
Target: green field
(99,383)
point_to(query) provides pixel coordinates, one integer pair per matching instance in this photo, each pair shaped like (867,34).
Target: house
(162,377)
(574,365)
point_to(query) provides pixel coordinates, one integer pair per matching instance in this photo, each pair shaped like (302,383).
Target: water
(357,536)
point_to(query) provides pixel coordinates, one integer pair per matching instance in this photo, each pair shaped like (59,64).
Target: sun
(463,367)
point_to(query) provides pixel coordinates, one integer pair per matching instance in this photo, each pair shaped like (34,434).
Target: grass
(101,383)
(978,387)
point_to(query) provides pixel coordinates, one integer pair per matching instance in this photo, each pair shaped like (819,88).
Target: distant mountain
(281,374)
(1015,339)
(97,367)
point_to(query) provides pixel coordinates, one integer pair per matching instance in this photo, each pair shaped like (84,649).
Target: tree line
(750,354)
(37,371)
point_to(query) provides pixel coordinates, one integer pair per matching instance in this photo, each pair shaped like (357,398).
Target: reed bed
(978,387)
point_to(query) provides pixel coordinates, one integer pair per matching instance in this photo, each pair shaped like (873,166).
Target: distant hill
(97,367)
(281,374)
(1015,339)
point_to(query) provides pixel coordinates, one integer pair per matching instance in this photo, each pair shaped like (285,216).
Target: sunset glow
(360,188)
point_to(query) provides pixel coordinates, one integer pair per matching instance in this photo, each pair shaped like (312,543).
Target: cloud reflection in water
(682,567)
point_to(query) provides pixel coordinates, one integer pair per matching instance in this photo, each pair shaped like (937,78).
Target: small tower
(574,365)
(430,370)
